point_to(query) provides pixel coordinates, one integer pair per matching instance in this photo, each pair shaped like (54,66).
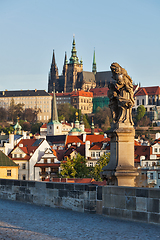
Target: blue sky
(123,31)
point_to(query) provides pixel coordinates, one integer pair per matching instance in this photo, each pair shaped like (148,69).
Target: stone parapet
(141,204)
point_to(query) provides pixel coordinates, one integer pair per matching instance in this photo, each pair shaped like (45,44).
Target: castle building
(73,77)
(38,100)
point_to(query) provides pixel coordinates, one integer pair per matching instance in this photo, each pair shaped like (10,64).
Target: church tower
(54,127)
(74,68)
(94,67)
(53,76)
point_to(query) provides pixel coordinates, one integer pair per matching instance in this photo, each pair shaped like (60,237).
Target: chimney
(87,147)
(84,137)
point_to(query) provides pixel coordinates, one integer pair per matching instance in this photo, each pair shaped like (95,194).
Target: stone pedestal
(120,169)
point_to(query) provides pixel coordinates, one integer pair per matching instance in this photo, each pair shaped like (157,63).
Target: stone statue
(120,94)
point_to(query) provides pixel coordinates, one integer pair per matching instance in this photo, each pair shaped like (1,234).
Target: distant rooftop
(19,93)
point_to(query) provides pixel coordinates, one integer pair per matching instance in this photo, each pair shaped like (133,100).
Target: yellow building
(8,169)
(35,99)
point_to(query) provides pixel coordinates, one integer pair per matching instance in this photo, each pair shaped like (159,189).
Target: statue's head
(115,68)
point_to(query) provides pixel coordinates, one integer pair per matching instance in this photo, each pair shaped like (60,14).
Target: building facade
(38,100)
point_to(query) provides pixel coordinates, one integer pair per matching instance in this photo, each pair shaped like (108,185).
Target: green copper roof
(54,122)
(74,58)
(6,161)
(75,130)
(17,127)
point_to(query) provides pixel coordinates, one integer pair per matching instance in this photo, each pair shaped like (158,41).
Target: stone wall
(77,197)
(142,204)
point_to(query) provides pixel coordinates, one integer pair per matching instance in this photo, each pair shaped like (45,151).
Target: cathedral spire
(53,59)
(65,62)
(54,113)
(74,58)
(94,68)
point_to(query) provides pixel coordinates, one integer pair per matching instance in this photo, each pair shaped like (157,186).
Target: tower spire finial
(94,67)
(74,58)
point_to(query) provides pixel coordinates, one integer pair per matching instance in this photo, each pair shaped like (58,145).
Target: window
(23,166)
(97,154)
(142,101)
(155,150)
(8,173)
(45,160)
(20,155)
(15,155)
(92,154)
(91,164)
(24,177)
(158,175)
(151,175)
(137,102)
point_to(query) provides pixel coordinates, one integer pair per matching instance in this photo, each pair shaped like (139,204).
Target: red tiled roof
(88,130)
(99,92)
(91,138)
(153,90)
(44,125)
(60,154)
(26,145)
(68,94)
(141,151)
(82,93)
(141,92)
(136,143)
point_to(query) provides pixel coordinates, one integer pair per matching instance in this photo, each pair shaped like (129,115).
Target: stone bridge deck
(26,221)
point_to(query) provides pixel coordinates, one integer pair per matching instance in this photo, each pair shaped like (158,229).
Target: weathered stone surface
(106,190)
(153,205)
(99,207)
(108,201)
(140,192)
(140,216)
(118,190)
(130,203)
(119,201)
(80,187)
(130,191)
(154,193)
(63,193)
(105,210)
(154,218)
(99,193)
(141,204)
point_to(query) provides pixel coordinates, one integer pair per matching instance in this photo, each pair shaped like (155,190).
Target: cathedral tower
(74,68)
(53,75)
(94,67)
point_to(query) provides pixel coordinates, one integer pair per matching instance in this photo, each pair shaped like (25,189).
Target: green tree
(140,112)
(3,114)
(35,128)
(75,168)
(8,130)
(103,161)
(86,122)
(68,170)
(101,115)
(15,110)
(67,111)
